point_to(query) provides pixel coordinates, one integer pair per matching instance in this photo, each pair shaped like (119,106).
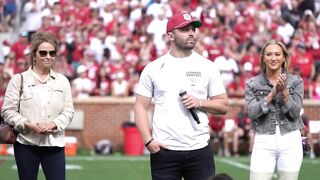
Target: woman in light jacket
(274,99)
(45,110)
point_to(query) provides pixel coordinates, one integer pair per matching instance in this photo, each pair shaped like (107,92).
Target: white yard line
(234,163)
(238,165)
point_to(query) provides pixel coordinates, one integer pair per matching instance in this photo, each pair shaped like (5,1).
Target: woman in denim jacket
(46,109)
(274,99)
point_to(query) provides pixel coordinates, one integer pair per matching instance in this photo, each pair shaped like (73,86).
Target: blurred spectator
(48,25)
(62,66)
(4,27)
(4,80)
(131,57)
(244,28)
(251,58)
(236,88)
(159,7)
(133,82)
(290,11)
(226,11)
(91,65)
(232,30)
(304,61)
(157,28)
(21,65)
(309,133)
(10,10)
(177,6)
(247,71)
(285,30)
(227,66)
(306,82)
(9,65)
(229,133)
(97,45)
(32,13)
(82,85)
(314,87)
(223,129)
(216,124)
(120,86)
(1,54)
(243,131)
(103,84)
(147,53)
(213,46)
(117,65)
(18,47)
(297,38)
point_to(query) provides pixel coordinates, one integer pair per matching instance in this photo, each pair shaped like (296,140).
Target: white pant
(283,151)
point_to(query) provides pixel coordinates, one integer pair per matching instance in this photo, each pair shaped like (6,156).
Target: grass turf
(117,167)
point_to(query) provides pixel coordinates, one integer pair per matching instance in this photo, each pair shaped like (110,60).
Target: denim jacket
(266,117)
(59,108)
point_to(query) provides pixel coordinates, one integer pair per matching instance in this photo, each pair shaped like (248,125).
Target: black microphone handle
(194,114)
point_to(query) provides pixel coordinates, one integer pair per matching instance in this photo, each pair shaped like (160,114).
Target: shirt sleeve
(145,87)
(10,107)
(295,101)
(255,108)
(216,86)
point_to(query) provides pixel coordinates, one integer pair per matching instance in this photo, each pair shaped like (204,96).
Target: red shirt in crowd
(216,123)
(304,62)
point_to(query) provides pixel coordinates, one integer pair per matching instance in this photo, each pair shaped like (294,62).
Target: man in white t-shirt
(180,133)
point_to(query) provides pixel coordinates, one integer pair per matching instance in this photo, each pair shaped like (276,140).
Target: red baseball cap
(181,20)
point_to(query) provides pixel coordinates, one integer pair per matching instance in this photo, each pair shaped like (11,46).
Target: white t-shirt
(120,88)
(163,79)
(227,68)
(80,84)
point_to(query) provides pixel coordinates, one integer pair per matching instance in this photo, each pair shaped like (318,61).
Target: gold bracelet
(200,104)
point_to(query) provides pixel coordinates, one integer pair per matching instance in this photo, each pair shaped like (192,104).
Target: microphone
(193,113)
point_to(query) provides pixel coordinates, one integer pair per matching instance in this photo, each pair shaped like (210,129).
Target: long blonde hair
(285,52)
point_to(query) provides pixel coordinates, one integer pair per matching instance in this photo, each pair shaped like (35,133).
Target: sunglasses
(43,53)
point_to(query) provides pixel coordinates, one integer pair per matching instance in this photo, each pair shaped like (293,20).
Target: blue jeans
(191,165)
(28,159)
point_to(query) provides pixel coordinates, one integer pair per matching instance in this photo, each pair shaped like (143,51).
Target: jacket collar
(29,76)
(264,80)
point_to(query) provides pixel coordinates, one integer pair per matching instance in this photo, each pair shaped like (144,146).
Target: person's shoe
(312,155)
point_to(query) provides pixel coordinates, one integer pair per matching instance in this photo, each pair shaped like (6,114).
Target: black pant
(191,165)
(28,159)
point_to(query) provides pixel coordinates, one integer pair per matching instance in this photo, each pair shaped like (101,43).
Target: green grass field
(118,167)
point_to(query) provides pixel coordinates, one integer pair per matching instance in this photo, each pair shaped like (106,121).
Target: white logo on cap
(186,17)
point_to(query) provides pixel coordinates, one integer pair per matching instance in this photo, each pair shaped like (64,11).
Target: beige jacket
(59,108)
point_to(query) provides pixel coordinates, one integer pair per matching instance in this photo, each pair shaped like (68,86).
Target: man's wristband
(147,143)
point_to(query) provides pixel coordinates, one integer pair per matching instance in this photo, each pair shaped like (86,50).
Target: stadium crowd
(105,44)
